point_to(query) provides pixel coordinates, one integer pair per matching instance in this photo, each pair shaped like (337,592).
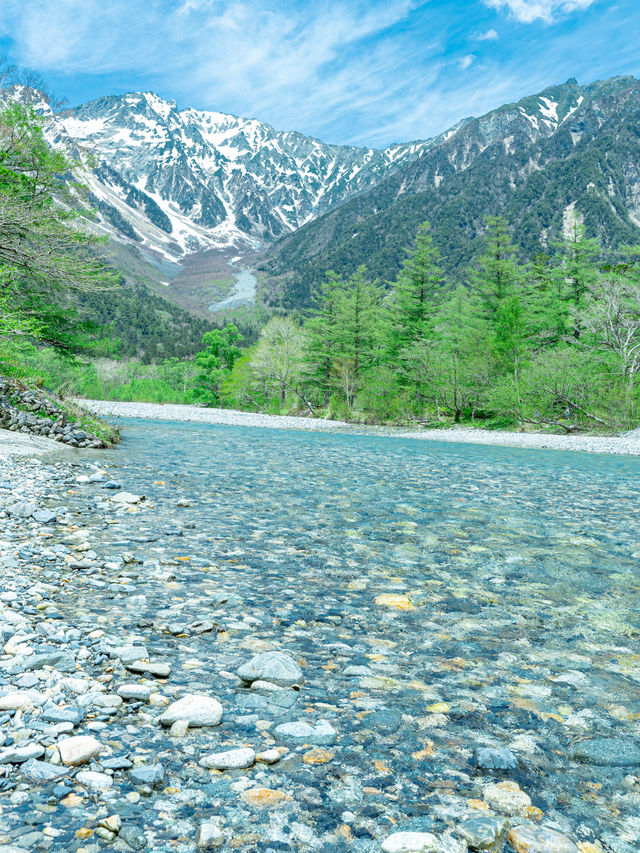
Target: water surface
(514,621)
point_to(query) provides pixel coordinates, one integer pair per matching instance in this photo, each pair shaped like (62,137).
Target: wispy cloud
(490,35)
(528,11)
(358,71)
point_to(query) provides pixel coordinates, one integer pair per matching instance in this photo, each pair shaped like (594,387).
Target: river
(466,620)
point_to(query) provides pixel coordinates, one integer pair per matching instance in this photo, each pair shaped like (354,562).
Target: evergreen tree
(578,271)
(416,293)
(497,274)
(358,322)
(323,333)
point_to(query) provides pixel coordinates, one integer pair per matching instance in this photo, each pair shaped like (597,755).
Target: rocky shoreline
(34,411)
(627,444)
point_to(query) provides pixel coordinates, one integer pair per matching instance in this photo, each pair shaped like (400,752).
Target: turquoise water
(515,577)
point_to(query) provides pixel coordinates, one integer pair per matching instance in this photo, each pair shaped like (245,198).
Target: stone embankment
(34,411)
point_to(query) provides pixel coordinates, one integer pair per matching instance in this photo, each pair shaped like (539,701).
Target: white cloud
(466,61)
(528,11)
(490,35)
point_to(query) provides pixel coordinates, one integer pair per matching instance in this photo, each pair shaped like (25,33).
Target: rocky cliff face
(179,181)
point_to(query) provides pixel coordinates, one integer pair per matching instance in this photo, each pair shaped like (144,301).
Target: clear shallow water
(516,621)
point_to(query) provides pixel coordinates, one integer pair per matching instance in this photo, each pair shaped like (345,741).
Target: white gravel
(625,443)
(22,444)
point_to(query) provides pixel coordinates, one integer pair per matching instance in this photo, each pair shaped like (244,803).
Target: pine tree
(358,323)
(497,274)
(578,271)
(416,293)
(323,334)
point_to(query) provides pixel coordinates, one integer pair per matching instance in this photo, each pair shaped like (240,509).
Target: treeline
(553,342)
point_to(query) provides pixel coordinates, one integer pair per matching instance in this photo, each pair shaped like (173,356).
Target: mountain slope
(175,182)
(568,146)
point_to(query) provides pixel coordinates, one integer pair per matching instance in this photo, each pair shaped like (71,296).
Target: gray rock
(607,752)
(20,754)
(134,691)
(159,670)
(129,654)
(25,509)
(42,771)
(133,836)
(271,666)
(495,759)
(148,774)
(197,709)
(63,715)
(209,837)
(94,781)
(45,516)
(483,833)
(322,734)
(232,759)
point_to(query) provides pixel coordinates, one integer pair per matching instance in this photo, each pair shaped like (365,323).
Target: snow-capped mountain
(180,181)
(568,148)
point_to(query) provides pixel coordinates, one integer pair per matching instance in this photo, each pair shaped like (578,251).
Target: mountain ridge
(569,145)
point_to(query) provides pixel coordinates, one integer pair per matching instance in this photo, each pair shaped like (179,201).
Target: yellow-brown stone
(265,797)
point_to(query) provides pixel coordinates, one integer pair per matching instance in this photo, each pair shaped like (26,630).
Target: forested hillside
(568,148)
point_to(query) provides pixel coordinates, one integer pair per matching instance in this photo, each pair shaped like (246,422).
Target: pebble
(411,842)
(322,734)
(209,837)
(159,670)
(528,838)
(507,798)
(275,667)
(93,780)
(483,833)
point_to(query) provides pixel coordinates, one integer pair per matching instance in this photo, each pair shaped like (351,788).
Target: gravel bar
(625,443)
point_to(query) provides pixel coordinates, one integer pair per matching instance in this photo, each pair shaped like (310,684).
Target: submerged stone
(276,667)
(607,752)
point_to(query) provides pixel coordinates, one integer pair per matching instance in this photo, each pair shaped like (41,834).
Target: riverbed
(464,620)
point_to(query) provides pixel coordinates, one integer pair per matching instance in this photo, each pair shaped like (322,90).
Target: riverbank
(625,444)
(20,444)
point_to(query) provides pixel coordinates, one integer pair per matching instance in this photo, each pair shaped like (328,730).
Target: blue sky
(346,71)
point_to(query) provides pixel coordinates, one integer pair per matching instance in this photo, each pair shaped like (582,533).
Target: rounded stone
(209,837)
(232,759)
(276,667)
(95,781)
(411,842)
(528,838)
(507,798)
(196,709)
(607,752)
(322,734)
(79,749)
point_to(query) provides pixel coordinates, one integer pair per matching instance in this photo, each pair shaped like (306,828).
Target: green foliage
(215,362)
(43,259)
